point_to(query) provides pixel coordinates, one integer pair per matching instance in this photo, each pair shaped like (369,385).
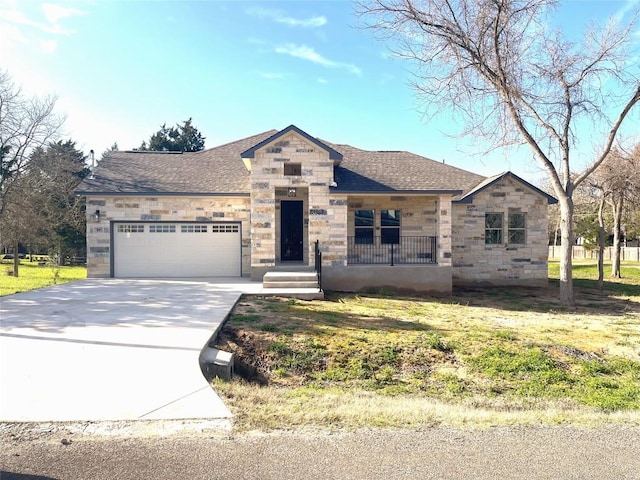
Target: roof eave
(161,194)
(396,192)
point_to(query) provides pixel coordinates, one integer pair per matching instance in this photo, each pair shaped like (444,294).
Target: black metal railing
(407,250)
(318,261)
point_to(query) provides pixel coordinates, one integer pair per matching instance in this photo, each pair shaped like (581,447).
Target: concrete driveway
(112,349)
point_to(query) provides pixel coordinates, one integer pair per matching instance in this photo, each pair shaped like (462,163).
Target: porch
(381,250)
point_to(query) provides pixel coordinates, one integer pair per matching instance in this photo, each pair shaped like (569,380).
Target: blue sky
(122,68)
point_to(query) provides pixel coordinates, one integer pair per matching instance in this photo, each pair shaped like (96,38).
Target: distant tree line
(181,138)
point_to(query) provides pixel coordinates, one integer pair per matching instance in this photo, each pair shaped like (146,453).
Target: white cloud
(322,80)
(54,13)
(629,6)
(25,22)
(313,22)
(281,17)
(307,53)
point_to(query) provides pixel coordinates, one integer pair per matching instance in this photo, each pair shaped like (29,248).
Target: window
(517,227)
(162,228)
(293,169)
(493,228)
(130,228)
(364,223)
(222,228)
(390,226)
(193,228)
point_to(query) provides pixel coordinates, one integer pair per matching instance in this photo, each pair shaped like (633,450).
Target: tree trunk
(566,251)
(618,204)
(601,241)
(16,260)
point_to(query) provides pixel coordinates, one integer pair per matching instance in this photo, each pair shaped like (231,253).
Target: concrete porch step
(280,279)
(302,284)
(300,293)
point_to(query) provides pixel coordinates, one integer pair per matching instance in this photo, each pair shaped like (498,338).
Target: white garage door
(177,250)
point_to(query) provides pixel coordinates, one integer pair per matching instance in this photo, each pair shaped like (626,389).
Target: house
(379,218)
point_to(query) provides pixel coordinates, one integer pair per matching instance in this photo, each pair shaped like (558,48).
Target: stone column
(263,215)
(444,230)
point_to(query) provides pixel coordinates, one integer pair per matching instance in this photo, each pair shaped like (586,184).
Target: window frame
(489,230)
(521,231)
(293,169)
(162,228)
(390,232)
(364,233)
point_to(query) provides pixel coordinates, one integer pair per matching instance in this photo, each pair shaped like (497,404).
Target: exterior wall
(323,219)
(407,278)
(419,214)
(160,208)
(474,262)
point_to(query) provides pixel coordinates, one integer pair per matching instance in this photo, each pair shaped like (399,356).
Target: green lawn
(481,357)
(33,276)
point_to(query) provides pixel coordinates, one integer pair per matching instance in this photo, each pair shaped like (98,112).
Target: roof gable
(333,154)
(468,197)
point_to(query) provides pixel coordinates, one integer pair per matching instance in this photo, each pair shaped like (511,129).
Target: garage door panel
(175,250)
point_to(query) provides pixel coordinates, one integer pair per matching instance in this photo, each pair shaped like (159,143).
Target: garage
(170,250)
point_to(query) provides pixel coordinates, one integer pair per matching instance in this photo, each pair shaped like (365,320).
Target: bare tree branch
(514,80)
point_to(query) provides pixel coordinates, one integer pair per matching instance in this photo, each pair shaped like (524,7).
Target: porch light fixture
(291,192)
(96,216)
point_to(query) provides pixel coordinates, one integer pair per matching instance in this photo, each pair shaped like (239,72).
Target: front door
(291,232)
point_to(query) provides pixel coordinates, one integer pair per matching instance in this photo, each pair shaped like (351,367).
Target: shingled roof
(363,171)
(220,171)
(217,171)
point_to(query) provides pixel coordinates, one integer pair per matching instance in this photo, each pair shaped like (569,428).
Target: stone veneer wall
(325,217)
(474,262)
(160,208)
(421,216)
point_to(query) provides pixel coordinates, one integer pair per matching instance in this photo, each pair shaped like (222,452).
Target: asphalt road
(436,453)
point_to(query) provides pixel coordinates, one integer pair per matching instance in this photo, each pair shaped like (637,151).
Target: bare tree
(621,172)
(515,81)
(25,124)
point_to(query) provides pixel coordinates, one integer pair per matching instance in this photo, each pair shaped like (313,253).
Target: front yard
(480,357)
(32,275)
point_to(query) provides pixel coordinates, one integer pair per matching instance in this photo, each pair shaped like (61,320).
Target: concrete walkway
(112,349)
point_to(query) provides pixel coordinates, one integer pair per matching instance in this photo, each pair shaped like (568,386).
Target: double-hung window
(364,225)
(516,229)
(493,225)
(390,226)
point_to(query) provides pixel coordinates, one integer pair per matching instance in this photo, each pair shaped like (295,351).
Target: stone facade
(476,262)
(292,168)
(160,208)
